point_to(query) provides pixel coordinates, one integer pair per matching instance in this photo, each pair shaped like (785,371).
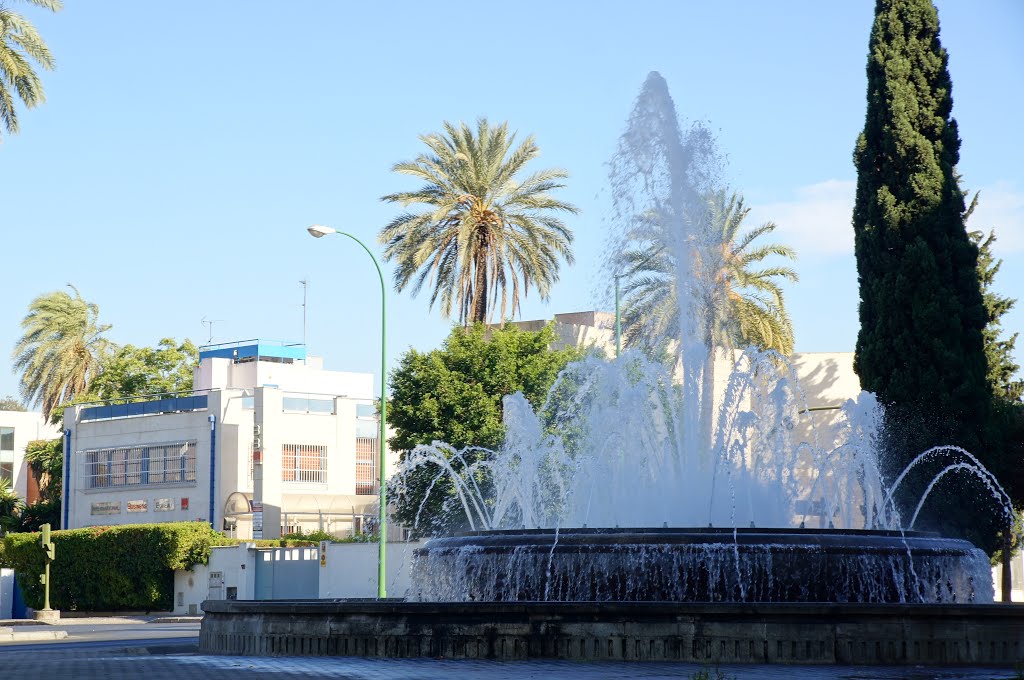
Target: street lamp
(319,231)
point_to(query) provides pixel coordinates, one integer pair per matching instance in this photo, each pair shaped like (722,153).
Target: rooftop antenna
(210,322)
(305,288)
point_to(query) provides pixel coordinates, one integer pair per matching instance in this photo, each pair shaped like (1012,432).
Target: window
(366,465)
(7,439)
(7,455)
(307,405)
(173,463)
(303,463)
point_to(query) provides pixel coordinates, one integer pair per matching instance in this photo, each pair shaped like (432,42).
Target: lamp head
(319,231)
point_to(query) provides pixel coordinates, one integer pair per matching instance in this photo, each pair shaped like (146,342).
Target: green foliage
(317,536)
(11,506)
(454,394)
(485,230)
(61,349)
(920,346)
(20,44)
(35,515)
(46,459)
(129,567)
(999,353)
(10,403)
(135,371)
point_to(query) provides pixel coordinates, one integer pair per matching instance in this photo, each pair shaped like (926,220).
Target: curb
(8,635)
(177,619)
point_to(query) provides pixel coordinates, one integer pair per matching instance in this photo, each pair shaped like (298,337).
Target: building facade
(266,429)
(17,429)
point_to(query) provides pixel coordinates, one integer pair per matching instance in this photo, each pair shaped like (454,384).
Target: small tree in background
(454,394)
(922,314)
(10,403)
(135,371)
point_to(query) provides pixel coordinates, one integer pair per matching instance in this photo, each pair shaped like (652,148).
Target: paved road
(155,651)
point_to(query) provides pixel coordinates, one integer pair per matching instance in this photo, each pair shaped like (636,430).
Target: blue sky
(185,146)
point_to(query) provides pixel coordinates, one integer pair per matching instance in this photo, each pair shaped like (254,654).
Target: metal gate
(287,573)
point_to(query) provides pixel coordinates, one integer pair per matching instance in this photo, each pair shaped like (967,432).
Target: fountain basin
(701,565)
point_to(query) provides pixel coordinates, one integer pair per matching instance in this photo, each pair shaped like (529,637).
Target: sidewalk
(29,630)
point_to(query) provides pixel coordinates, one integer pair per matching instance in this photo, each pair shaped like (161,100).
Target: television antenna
(209,323)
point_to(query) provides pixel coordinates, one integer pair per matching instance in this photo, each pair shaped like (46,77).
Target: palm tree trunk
(479,313)
(707,397)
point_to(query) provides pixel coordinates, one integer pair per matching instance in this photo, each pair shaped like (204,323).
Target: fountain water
(705,441)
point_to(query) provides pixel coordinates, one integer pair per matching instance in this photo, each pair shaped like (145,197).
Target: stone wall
(693,633)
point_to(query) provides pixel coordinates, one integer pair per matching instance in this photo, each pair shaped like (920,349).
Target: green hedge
(129,567)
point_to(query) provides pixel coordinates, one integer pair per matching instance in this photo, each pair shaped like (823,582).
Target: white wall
(351,569)
(236,565)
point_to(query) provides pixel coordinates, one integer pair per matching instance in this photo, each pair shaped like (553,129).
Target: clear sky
(185,146)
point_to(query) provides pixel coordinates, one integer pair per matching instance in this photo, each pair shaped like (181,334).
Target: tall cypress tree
(920,346)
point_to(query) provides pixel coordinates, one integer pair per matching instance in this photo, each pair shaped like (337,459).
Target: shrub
(129,567)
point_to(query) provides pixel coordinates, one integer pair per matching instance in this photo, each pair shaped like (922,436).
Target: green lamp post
(318,231)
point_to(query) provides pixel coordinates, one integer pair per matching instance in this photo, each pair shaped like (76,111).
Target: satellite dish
(237,504)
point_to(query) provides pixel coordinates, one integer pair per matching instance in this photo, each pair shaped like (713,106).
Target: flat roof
(257,349)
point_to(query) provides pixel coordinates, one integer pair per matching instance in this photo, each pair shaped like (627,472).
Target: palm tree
(20,44)
(484,231)
(738,304)
(61,350)
(11,506)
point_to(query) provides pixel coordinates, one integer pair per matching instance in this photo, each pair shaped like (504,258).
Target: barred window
(126,466)
(303,463)
(366,465)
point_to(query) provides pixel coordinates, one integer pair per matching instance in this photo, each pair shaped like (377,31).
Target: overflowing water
(705,438)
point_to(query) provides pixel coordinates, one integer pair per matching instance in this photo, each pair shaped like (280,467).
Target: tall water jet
(607,475)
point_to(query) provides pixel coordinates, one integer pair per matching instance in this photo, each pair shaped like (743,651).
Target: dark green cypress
(920,346)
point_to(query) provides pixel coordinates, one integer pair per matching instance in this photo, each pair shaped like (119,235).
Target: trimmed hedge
(128,567)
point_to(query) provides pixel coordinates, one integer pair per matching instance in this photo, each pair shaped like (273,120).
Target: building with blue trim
(265,424)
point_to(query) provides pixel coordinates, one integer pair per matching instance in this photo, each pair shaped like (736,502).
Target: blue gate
(287,573)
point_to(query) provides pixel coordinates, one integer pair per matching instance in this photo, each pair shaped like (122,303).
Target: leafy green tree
(454,394)
(10,403)
(135,371)
(922,314)
(1002,369)
(61,350)
(486,232)
(20,45)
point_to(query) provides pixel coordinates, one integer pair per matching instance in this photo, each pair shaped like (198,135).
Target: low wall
(641,631)
(350,569)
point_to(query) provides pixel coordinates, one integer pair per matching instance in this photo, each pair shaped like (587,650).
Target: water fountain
(653,511)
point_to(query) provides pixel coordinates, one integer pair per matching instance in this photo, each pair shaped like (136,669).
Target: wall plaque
(105,508)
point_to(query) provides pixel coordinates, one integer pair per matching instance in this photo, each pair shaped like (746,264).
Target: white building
(190,456)
(17,429)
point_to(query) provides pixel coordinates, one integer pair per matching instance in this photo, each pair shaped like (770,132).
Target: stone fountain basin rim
(744,531)
(831,541)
